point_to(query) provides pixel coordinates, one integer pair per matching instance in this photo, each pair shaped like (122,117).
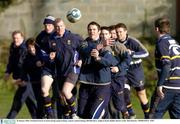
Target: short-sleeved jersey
(168,51)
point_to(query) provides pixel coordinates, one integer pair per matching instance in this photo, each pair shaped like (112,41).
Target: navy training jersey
(168,50)
(139,51)
(67,53)
(44,40)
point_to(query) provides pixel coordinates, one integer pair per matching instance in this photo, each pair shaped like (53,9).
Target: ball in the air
(73,15)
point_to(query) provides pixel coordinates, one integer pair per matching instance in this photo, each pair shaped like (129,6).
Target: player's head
(49,23)
(18,38)
(162,25)
(113,31)
(60,26)
(93,29)
(105,35)
(121,31)
(30,44)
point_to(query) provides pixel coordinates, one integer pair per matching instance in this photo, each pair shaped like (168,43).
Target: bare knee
(45,92)
(142,96)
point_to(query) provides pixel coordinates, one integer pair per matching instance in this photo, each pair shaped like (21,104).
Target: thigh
(46,82)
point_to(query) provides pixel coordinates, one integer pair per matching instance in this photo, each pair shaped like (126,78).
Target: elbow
(147,54)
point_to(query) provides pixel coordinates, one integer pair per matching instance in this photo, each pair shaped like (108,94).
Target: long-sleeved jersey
(138,50)
(168,53)
(16,59)
(44,41)
(30,64)
(121,54)
(67,53)
(96,72)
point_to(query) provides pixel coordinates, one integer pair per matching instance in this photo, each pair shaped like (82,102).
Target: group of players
(104,65)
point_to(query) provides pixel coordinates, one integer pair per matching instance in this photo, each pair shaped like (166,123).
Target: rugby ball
(73,15)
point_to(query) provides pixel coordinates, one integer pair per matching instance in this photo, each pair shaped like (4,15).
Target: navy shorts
(47,72)
(135,76)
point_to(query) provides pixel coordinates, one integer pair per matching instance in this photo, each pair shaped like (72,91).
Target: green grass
(137,107)
(7,94)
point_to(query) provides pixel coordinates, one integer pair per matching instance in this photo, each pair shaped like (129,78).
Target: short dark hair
(112,27)
(94,23)
(105,28)
(30,41)
(121,25)
(163,24)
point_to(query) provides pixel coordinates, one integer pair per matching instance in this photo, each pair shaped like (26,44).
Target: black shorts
(71,77)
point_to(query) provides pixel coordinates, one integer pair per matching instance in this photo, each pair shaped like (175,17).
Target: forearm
(163,74)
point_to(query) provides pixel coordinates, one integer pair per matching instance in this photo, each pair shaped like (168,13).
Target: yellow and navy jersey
(168,51)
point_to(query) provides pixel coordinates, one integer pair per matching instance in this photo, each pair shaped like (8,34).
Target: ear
(125,31)
(156,29)
(99,31)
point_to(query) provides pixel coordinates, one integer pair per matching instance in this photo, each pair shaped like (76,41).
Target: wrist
(98,58)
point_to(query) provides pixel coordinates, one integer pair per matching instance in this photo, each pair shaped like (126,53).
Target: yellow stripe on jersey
(175,57)
(165,57)
(173,78)
(47,105)
(168,57)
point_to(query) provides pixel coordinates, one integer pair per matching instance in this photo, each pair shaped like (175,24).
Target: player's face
(93,32)
(31,49)
(17,39)
(60,28)
(121,34)
(105,36)
(49,28)
(113,34)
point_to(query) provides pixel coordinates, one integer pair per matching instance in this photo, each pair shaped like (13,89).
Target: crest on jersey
(84,44)
(69,42)
(53,44)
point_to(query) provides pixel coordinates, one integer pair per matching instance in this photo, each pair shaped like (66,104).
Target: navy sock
(72,104)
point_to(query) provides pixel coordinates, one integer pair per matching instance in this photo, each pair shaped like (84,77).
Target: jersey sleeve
(139,50)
